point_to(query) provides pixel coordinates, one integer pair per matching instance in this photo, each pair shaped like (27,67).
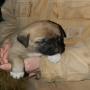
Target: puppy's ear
(63,34)
(24,40)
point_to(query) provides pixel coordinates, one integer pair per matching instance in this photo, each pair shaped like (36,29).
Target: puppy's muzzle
(51,50)
(51,46)
(48,50)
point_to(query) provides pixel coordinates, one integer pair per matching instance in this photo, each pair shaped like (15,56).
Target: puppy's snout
(51,47)
(48,49)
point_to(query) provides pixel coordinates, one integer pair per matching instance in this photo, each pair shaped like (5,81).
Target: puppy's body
(42,37)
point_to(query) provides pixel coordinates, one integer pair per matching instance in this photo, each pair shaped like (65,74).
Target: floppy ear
(24,40)
(63,34)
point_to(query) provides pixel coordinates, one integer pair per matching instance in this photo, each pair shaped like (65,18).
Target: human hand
(31,64)
(4,65)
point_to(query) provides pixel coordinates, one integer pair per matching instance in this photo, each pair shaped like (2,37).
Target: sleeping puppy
(1,4)
(41,38)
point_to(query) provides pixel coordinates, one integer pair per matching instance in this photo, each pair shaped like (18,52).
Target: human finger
(6,67)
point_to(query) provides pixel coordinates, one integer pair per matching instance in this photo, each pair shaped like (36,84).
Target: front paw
(17,75)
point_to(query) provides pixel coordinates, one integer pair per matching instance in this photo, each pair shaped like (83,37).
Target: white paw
(17,75)
(54,58)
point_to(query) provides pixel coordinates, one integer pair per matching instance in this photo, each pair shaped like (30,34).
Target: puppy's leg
(17,70)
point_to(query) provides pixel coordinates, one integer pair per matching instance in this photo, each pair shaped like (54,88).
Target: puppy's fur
(41,37)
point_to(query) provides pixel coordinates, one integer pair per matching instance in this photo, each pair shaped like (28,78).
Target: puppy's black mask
(54,45)
(1,4)
(51,46)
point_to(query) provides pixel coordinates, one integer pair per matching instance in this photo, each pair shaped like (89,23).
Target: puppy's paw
(17,75)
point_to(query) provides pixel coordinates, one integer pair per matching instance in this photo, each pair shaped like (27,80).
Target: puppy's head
(45,37)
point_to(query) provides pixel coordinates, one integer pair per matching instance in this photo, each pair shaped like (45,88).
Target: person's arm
(31,64)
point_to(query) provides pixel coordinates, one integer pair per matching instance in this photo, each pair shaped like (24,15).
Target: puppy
(1,4)
(39,38)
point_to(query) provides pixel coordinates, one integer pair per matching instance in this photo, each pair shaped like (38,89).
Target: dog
(1,4)
(41,38)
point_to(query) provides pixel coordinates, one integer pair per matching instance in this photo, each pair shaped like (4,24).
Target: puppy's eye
(37,42)
(45,40)
(59,38)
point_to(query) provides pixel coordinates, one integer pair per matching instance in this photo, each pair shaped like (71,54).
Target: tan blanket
(74,64)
